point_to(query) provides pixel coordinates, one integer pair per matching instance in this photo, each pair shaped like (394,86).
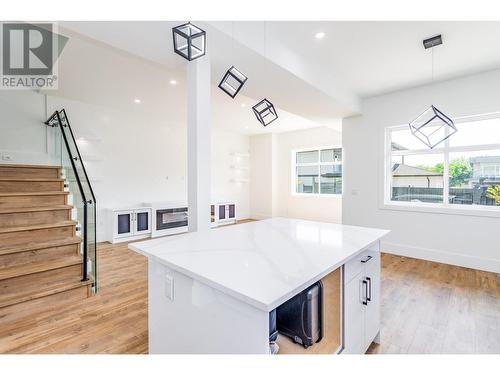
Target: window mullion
(446,179)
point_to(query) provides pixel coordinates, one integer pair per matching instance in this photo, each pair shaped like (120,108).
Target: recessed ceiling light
(137,101)
(246,127)
(243,105)
(173,82)
(320,35)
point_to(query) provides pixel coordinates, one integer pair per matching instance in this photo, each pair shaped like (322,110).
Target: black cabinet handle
(365,286)
(367,259)
(369,289)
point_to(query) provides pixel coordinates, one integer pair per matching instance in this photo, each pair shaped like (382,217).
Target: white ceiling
(111,82)
(318,80)
(375,57)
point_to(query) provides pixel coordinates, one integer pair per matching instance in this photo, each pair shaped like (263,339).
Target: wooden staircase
(39,249)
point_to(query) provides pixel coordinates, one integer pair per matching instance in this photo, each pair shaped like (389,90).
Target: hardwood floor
(112,321)
(426,308)
(431,307)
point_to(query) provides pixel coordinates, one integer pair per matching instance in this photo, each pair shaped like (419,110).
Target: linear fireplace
(171,218)
(168,218)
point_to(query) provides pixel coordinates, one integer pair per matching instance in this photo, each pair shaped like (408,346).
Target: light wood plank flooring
(426,308)
(431,307)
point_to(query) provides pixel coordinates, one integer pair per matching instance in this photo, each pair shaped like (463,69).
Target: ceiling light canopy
(433,41)
(189,41)
(173,82)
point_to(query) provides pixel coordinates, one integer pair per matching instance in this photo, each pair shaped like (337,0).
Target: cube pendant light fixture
(432,127)
(232,82)
(265,112)
(189,41)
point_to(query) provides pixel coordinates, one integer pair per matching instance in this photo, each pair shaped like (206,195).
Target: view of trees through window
(464,170)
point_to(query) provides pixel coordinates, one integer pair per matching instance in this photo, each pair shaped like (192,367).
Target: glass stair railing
(78,184)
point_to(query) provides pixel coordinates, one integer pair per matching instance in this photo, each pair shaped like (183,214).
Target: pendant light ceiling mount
(432,127)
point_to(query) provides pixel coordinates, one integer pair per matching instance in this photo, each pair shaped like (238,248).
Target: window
(462,171)
(317,171)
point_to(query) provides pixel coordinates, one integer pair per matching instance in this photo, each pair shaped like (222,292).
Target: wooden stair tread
(38,226)
(30,166)
(42,193)
(31,179)
(19,248)
(35,209)
(31,268)
(7,299)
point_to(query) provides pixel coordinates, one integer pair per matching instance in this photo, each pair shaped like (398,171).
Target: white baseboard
(456,259)
(259,216)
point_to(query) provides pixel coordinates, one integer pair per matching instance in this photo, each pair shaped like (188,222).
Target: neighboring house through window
(463,170)
(317,171)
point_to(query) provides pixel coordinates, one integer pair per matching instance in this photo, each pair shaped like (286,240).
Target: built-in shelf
(241,154)
(241,167)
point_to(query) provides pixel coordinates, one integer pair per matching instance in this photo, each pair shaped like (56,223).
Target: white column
(198,143)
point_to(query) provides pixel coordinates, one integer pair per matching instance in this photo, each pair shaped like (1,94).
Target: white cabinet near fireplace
(129,224)
(225,213)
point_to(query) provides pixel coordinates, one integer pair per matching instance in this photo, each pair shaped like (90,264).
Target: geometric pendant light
(232,82)
(265,112)
(189,41)
(432,127)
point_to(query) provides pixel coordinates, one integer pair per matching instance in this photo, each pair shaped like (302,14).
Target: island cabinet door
(354,316)
(372,313)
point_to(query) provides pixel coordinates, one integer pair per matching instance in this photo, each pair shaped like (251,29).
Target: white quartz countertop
(263,263)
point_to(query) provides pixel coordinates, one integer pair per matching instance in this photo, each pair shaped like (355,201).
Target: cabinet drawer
(356,265)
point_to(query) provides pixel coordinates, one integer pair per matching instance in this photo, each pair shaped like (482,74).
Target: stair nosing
(21,248)
(56,207)
(42,267)
(26,228)
(35,166)
(29,179)
(38,193)
(45,292)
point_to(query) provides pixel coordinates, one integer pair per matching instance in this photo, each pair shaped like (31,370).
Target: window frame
(319,163)
(445,207)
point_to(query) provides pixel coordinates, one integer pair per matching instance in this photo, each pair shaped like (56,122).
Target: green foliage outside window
(493,192)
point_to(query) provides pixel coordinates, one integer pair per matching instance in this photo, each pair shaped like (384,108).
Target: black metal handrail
(54,121)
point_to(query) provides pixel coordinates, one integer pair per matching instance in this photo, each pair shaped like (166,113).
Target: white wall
(132,157)
(320,208)
(271,176)
(468,241)
(261,176)
(23,137)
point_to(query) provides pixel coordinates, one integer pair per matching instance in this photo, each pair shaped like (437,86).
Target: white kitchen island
(212,291)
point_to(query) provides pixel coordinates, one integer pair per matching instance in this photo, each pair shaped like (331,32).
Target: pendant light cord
(432,65)
(265,40)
